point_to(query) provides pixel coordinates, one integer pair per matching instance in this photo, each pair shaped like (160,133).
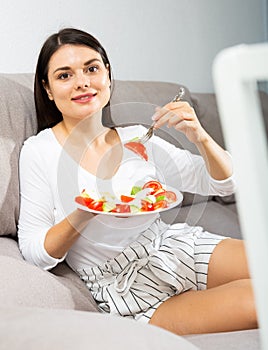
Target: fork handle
(179,96)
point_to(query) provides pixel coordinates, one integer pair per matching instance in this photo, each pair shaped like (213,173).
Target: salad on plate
(151,197)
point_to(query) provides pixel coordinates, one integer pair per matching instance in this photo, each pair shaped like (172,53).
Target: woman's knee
(245,300)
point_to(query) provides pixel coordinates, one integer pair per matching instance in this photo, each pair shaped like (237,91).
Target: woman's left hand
(181,116)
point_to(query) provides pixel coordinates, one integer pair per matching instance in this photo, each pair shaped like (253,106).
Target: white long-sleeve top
(50,179)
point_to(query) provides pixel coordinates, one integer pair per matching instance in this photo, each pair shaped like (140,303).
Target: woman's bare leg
(227,304)
(224,308)
(228,263)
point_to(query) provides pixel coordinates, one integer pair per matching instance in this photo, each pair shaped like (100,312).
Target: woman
(177,277)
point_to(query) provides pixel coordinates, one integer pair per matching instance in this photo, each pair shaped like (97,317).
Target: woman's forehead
(69,54)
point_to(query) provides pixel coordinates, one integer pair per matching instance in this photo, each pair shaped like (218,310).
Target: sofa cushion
(210,215)
(206,109)
(39,329)
(17,122)
(240,340)
(264,108)
(24,284)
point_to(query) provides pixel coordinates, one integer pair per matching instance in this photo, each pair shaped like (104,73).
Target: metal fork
(150,131)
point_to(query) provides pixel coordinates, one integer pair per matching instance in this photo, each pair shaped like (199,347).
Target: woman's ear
(49,93)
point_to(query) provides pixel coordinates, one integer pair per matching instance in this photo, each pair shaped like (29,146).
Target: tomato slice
(170,196)
(138,148)
(160,204)
(126,199)
(146,206)
(155,185)
(96,205)
(83,200)
(160,192)
(80,200)
(121,208)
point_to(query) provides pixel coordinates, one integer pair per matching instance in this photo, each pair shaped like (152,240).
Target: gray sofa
(41,309)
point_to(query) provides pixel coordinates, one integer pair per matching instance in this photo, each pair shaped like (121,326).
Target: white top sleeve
(36,213)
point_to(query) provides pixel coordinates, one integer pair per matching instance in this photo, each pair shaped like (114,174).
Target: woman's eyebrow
(92,60)
(85,64)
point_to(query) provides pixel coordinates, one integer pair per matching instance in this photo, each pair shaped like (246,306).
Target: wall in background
(263,85)
(168,40)
(265,17)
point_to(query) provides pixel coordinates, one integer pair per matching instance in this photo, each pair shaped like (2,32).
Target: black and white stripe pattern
(164,261)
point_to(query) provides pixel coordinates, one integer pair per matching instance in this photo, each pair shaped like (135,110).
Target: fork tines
(148,135)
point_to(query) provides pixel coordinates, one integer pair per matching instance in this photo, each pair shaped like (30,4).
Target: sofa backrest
(17,122)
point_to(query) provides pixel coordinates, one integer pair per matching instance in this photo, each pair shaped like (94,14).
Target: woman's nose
(82,81)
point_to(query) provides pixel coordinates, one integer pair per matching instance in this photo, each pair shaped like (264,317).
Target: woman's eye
(93,69)
(64,76)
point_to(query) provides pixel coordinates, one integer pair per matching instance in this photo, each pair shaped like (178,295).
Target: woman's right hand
(182,117)
(60,238)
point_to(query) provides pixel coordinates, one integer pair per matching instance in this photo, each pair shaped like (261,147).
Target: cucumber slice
(160,198)
(134,209)
(135,190)
(108,206)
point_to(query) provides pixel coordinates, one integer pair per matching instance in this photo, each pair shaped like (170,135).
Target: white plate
(172,205)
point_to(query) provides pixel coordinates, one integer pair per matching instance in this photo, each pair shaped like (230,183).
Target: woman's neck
(96,148)
(88,128)
(81,132)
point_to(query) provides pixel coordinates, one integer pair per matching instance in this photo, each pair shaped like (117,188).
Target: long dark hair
(47,112)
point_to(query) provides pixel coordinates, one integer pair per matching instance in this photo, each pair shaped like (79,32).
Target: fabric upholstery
(242,340)
(206,109)
(17,122)
(27,285)
(210,215)
(32,329)
(42,329)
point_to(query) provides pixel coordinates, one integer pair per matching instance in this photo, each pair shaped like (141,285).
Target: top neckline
(88,173)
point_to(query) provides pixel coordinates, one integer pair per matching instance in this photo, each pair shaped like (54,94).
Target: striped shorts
(164,261)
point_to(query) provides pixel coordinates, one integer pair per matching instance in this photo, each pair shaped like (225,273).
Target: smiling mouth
(84,98)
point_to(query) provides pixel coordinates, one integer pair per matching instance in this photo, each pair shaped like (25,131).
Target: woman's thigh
(229,307)
(228,263)
(227,304)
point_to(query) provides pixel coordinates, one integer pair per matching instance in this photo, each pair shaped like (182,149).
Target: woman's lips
(84,98)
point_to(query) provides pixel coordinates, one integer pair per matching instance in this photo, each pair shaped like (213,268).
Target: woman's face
(78,81)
